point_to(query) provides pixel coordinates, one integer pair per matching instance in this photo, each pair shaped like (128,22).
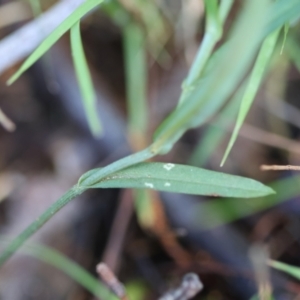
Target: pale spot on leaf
(168,167)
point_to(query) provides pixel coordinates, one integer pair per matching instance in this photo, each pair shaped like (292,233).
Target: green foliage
(212,80)
(253,84)
(180,179)
(84,80)
(291,270)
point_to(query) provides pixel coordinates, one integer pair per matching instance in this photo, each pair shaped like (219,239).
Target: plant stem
(38,223)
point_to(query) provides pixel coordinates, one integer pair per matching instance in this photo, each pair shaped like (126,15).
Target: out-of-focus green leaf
(181,179)
(54,36)
(222,80)
(84,80)
(285,32)
(282,12)
(255,80)
(291,270)
(136,78)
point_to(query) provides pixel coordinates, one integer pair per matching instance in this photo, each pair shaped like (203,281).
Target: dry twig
(279,168)
(109,278)
(190,286)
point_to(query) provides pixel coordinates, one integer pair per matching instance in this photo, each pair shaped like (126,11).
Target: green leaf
(285,33)
(291,270)
(54,36)
(84,80)
(255,80)
(180,179)
(136,78)
(206,99)
(282,12)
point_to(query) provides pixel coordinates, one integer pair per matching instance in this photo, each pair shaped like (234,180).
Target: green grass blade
(182,179)
(255,80)
(66,265)
(54,36)
(285,33)
(35,7)
(291,270)
(207,99)
(36,225)
(85,81)
(136,78)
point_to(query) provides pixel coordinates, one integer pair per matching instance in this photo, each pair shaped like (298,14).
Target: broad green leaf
(254,82)
(291,270)
(204,101)
(180,179)
(282,12)
(66,265)
(84,80)
(54,36)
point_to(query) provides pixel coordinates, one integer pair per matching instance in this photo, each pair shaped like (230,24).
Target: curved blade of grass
(66,265)
(54,36)
(85,81)
(180,179)
(207,99)
(291,270)
(255,80)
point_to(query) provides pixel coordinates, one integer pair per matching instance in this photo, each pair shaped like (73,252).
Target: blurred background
(149,240)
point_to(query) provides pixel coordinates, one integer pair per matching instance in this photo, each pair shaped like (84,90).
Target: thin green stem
(38,223)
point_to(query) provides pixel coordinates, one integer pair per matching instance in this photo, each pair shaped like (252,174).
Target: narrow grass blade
(54,36)
(35,7)
(285,33)
(255,80)
(85,81)
(136,79)
(291,270)
(36,225)
(181,179)
(66,265)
